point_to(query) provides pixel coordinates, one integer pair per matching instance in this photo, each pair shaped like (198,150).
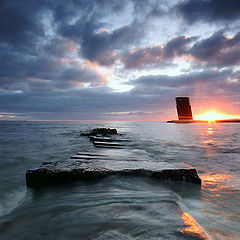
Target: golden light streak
(7,116)
(215,182)
(104,30)
(192,227)
(210,131)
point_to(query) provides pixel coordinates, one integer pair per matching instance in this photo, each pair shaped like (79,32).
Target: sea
(121,207)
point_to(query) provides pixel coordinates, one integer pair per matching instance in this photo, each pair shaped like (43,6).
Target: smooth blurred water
(122,207)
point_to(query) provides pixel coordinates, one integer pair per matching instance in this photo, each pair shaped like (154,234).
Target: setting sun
(213,115)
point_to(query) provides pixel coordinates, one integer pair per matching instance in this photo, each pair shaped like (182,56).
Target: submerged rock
(75,169)
(101,131)
(104,131)
(85,134)
(107,144)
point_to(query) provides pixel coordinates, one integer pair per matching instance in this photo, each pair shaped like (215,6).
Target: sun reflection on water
(208,140)
(215,178)
(210,130)
(192,227)
(214,184)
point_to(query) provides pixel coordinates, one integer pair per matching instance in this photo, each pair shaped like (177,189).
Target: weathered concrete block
(75,169)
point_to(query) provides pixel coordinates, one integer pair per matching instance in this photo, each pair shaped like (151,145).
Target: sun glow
(213,115)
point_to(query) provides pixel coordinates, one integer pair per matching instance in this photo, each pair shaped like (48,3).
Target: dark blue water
(122,207)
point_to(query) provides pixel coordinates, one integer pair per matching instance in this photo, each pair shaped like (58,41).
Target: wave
(11,200)
(229,150)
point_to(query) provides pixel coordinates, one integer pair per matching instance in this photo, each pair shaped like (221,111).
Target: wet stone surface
(76,169)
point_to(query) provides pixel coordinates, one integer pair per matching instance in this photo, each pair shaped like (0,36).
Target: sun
(212,116)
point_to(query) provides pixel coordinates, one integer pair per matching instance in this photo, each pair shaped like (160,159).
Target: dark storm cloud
(65,13)
(38,43)
(43,72)
(26,25)
(176,47)
(94,103)
(20,24)
(45,45)
(80,75)
(23,24)
(97,44)
(218,50)
(142,57)
(209,11)
(33,60)
(206,87)
(100,44)
(61,47)
(150,94)
(156,84)
(32,54)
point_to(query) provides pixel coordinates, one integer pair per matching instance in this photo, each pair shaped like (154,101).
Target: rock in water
(101,131)
(104,131)
(75,169)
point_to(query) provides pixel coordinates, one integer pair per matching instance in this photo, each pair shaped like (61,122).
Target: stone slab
(108,139)
(86,157)
(108,144)
(76,169)
(90,154)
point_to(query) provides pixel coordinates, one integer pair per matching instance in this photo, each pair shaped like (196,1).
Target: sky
(117,60)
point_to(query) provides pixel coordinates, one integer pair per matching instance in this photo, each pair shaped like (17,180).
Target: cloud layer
(128,59)
(211,10)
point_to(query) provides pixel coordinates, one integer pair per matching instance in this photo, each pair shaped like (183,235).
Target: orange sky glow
(212,115)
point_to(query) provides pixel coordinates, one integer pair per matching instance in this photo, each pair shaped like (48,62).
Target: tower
(184,108)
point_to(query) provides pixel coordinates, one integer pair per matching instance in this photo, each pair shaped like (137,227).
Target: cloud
(43,43)
(143,56)
(85,103)
(44,72)
(65,14)
(61,47)
(177,46)
(20,28)
(101,44)
(80,75)
(78,22)
(138,58)
(56,59)
(218,50)
(209,11)
(206,89)
(98,45)
(95,45)
(60,29)
(157,84)
(151,98)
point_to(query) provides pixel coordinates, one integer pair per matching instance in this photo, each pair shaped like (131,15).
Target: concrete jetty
(87,168)
(88,165)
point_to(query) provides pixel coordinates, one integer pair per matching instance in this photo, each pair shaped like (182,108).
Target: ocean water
(122,207)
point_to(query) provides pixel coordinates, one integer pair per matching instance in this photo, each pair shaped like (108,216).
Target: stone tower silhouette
(184,108)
